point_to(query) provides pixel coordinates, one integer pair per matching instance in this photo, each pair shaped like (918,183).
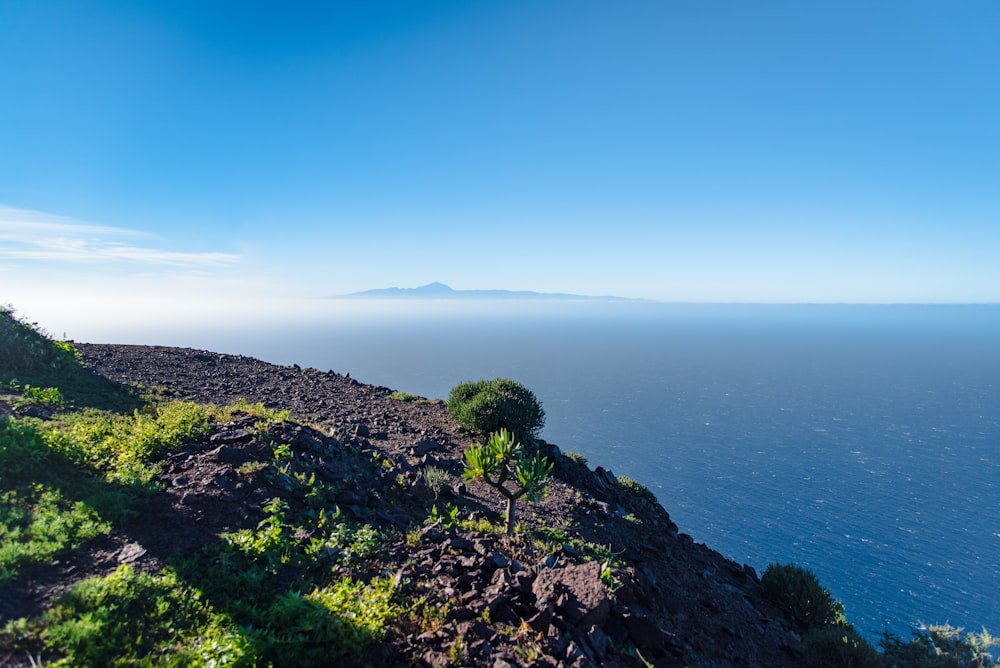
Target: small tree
(504,460)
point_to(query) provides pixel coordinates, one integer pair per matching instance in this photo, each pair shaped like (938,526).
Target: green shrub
(437,479)
(636,488)
(798,592)
(487,406)
(939,646)
(839,646)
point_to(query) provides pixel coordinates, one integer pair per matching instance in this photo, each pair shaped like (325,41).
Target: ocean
(860,442)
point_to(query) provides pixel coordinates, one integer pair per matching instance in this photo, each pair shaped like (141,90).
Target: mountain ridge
(438,290)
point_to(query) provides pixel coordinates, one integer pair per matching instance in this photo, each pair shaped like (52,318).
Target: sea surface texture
(861,442)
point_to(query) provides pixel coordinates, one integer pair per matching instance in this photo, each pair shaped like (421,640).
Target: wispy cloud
(36,236)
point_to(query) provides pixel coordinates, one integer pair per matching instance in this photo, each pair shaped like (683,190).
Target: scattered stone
(130,553)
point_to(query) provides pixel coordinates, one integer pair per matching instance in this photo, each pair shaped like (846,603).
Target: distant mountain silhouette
(441,291)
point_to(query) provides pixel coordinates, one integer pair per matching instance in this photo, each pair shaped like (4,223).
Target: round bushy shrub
(798,592)
(486,406)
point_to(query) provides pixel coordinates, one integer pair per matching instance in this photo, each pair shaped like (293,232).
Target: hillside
(485,601)
(305,518)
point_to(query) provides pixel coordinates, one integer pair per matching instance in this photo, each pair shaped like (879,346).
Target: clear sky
(713,151)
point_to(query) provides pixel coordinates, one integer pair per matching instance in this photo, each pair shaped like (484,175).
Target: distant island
(441,291)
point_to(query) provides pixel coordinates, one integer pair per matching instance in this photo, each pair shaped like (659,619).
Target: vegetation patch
(38,523)
(28,353)
(798,592)
(437,479)
(337,623)
(49,372)
(413,398)
(128,618)
(487,406)
(939,646)
(122,446)
(634,488)
(38,396)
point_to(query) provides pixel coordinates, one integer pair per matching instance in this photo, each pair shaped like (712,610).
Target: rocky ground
(677,602)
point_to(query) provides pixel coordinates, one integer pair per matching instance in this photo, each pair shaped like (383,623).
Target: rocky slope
(649,590)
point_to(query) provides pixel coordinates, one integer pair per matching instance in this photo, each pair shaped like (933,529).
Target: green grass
(130,618)
(68,480)
(38,523)
(263,596)
(47,504)
(122,446)
(415,398)
(33,396)
(336,623)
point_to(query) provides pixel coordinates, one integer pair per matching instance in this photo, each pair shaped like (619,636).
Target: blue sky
(685,151)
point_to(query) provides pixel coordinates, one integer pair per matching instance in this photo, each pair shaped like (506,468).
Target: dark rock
(130,553)
(349,498)
(192,498)
(435,658)
(540,622)
(460,544)
(604,477)
(598,641)
(432,534)
(424,447)
(231,436)
(577,655)
(505,614)
(576,592)
(615,628)
(645,633)
(462,613)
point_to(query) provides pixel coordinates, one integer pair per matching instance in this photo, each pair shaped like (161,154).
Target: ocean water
(861,442)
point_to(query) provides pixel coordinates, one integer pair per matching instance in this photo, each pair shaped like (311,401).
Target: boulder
(575,592)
